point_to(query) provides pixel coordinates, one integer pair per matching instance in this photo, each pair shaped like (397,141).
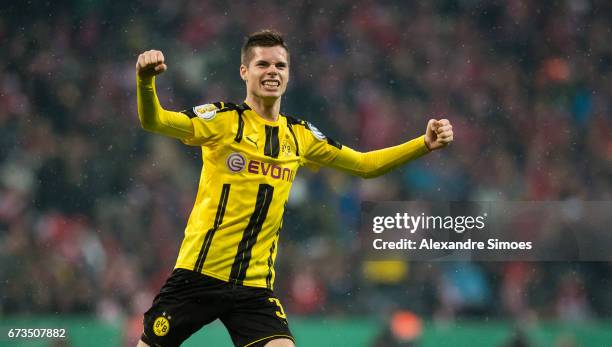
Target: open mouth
(271,83)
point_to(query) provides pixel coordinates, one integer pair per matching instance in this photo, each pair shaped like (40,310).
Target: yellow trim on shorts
(270,337)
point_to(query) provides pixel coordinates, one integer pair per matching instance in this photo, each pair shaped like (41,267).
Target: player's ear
(243,72)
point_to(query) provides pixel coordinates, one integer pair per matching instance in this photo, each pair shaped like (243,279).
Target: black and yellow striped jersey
(249,164)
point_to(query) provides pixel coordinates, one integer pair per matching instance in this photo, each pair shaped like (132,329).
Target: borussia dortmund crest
(161,326)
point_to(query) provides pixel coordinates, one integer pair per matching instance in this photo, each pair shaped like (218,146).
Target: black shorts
(189,300)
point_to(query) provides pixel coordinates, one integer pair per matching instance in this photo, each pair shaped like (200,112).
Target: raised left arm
(439,134)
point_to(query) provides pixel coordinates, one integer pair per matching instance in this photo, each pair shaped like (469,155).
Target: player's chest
(260,153)
(267,142)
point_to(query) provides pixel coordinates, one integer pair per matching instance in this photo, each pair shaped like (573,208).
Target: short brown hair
(263,38)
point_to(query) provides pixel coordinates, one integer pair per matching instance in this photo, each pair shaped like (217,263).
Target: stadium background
(92,208)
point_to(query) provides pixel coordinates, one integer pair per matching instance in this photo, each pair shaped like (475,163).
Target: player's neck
(264,108)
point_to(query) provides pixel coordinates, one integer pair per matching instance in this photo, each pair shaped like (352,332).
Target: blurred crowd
(92,207)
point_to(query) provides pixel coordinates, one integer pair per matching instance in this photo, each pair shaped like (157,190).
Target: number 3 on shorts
(281,312)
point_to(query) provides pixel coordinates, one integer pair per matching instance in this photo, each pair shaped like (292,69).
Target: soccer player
(251,153)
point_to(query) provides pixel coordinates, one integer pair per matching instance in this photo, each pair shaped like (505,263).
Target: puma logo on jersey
(253,142)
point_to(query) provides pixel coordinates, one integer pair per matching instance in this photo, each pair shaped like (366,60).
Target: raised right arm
(150,112)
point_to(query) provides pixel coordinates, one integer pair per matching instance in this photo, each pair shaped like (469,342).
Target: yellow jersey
(249,164)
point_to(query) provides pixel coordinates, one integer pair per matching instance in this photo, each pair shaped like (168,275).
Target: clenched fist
(150,63)
(439,134)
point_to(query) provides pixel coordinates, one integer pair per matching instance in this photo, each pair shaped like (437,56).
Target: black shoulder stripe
(189,113)
(240,108)
(238,137)
(297,121)
(293,120)
(228,106)
(334,143)
(297,145)
(290,122)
